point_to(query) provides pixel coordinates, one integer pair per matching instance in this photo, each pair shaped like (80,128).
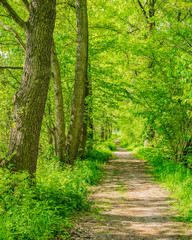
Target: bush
(44,210)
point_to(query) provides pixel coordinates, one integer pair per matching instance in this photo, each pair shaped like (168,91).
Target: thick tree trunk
(75,130)
(59,112)
(29,101)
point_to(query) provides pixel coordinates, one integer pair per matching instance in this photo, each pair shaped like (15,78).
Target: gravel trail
(132,206)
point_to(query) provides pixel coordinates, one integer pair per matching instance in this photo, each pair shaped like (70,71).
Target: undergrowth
(42,211)
(174,175)
(125,144)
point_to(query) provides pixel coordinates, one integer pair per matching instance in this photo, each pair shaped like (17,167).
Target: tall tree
(59,111)
(73,139)
(29,100)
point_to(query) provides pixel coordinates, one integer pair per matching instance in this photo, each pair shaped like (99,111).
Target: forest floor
(130,205)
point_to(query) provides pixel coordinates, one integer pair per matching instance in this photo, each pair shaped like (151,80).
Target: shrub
(43,210)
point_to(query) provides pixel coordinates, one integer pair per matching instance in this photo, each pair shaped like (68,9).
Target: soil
(129,205)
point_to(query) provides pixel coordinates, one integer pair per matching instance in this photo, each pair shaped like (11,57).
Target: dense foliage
(142,73)
(44,210)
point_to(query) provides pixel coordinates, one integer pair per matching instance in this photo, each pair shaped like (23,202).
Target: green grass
(44,211)
(174,176)
(124,143)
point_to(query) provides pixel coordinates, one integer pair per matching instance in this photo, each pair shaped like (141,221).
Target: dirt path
(132,206)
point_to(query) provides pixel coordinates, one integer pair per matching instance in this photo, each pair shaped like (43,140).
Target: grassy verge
(43,211)
(174,176)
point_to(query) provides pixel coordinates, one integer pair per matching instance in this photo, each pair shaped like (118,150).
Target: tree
(29,100)
(59,111)
(73,138)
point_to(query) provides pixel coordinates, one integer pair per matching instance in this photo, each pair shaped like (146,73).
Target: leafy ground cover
(44,210)
(175,176)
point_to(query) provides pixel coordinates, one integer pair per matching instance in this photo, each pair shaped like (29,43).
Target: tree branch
(26,3)
(13,76)
(13,14)
(68,3)
(144,12)
(15,34)
(8,44)
(110,28)
(10,67)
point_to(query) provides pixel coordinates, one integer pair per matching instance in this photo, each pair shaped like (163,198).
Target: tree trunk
(29,101)
(90,117)
(87,132)
(106,129)
(84,133)
(75,129)
(59,112)
(103,132)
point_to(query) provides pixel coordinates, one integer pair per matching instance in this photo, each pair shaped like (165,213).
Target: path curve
(133,206)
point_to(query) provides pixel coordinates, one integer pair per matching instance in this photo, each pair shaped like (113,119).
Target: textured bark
(59,112)
(29,101)
(87,129)
(84,133)
(74,134)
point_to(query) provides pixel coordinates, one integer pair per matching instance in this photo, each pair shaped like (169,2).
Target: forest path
(132,206)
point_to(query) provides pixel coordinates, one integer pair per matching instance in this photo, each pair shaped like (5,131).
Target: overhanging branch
(144,12)
(10,67)
(13,14)
(71,4)
(15,34)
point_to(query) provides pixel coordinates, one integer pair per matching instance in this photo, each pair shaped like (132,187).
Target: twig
(15,34)
(10,67)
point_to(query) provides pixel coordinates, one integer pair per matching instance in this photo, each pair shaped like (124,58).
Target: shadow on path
(132,206)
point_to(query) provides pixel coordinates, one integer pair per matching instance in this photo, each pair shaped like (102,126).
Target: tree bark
(29,101)
(84,133)
(59,112)
(75,129)
(90,117)
(103,132)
